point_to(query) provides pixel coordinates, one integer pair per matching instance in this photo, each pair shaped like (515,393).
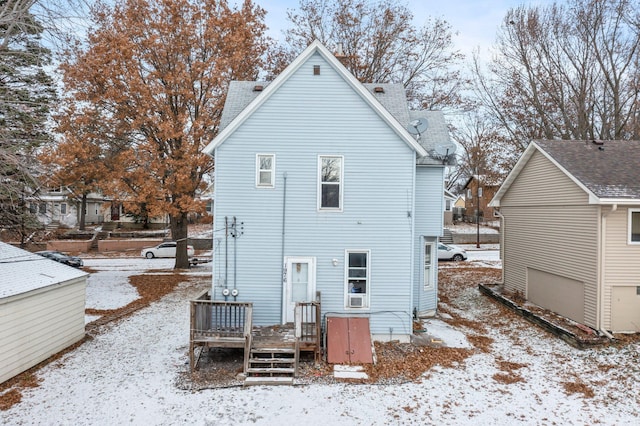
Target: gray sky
(475,21)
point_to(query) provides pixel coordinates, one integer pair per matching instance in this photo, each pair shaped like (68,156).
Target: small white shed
(42,306)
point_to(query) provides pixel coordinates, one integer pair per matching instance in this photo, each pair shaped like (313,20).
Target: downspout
(502,230)
(225,292)
(234,293)
(602,261)
(412,221)
(284,211)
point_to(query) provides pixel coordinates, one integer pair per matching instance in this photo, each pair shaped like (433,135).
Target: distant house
(42,306)
(58,207)
(449,200)
(571,230)
(478,191)
(323,185)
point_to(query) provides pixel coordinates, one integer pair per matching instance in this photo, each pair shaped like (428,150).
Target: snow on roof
(22,271)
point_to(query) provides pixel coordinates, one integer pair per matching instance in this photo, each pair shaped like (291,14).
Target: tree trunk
(179,233)
(83,211)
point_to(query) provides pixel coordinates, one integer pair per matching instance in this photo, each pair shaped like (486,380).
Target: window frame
(272,183)
(367,294)
(630,226)
(320,184)
(428,279)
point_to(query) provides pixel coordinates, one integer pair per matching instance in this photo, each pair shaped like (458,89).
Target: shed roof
(608,171)
(22,271)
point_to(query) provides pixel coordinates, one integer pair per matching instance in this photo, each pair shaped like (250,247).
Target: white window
(265,170)
(330,174)
(357,278)
(479,191)
(634,226)
(63,208)
(429,270)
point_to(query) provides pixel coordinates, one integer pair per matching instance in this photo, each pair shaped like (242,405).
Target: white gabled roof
(22,271)
(313,48)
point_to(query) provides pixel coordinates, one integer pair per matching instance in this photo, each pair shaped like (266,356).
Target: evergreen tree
(26,95)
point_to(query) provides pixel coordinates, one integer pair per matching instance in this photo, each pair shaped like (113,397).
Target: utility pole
(477,210)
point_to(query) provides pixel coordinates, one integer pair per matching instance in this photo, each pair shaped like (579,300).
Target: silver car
(451,252)
(167,249)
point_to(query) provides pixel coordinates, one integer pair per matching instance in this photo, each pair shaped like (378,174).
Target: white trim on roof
(314,47)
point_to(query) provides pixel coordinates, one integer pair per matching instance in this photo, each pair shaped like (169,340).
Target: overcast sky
(476,21)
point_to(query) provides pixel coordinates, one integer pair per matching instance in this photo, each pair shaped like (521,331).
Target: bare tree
(565,72)
(378,43)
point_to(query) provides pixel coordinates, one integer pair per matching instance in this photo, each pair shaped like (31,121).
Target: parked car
(74,261)
(451,252)
(167,249)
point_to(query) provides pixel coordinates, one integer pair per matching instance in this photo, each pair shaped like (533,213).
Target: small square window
(265,170)
(316,70)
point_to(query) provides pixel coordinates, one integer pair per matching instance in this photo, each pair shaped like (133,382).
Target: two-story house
(325,184)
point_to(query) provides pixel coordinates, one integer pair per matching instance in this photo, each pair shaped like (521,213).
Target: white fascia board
(314,47)
(612,201)
(515,172)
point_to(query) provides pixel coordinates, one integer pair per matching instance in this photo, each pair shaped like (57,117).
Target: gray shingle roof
(22,271)
(393,98)
(609,170)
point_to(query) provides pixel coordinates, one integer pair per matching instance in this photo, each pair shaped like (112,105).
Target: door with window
(299,284)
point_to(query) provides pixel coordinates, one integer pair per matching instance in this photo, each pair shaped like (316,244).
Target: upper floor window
(330,175)
(634,226)
(265,170)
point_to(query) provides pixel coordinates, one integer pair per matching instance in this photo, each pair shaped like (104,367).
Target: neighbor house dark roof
(609,169)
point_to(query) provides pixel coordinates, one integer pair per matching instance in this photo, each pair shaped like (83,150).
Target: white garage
(42,306)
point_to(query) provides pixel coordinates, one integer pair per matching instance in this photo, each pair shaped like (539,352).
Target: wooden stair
(271,366)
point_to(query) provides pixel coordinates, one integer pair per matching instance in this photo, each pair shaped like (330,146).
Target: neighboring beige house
(58,207)
(571,230)
(42,306)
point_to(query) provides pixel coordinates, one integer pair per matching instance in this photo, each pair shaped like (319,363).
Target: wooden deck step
(268,381)
(266,350)
(276,370)
(271,360)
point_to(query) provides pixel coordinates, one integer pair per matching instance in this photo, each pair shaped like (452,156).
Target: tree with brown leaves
(153,74)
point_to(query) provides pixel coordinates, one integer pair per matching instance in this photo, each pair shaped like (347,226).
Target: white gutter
(602,263)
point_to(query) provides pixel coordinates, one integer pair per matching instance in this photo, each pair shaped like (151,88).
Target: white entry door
(299,284)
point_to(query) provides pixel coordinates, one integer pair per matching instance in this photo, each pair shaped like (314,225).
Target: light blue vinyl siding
(306,117)
(429,217)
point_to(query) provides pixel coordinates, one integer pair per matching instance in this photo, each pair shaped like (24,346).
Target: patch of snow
(450,337)
(126,374)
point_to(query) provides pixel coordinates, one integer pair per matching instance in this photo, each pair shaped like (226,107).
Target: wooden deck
(268,350)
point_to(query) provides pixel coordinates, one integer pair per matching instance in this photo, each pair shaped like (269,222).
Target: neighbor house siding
(550,228)
(312,115)
(621,261)
(428,224)
(38,324)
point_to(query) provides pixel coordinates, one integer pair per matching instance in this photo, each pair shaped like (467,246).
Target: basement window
(634,226)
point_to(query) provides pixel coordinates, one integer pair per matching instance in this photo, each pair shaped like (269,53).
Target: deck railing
(308,325)
(219,323)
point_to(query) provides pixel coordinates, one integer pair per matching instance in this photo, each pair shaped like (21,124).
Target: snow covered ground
(127,375)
